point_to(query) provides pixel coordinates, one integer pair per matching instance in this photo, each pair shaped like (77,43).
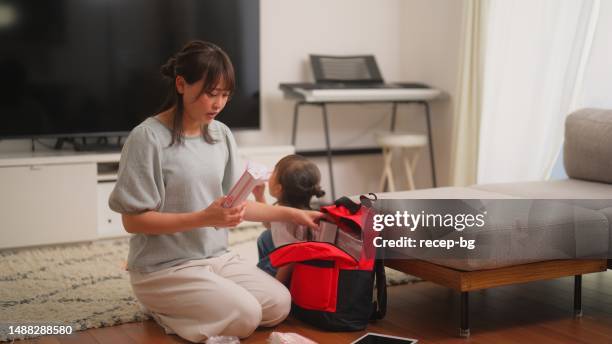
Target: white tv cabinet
(60,197)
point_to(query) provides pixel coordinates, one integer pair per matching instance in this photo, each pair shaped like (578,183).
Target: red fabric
(361,220)
(314,281)
(343,218)
(303,251)
(314,287)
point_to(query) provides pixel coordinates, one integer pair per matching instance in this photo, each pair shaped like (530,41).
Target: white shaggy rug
(85,285)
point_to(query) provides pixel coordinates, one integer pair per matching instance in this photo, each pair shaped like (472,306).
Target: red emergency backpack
(331,288)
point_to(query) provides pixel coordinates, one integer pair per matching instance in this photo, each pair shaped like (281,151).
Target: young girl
(175,168)
(294,182)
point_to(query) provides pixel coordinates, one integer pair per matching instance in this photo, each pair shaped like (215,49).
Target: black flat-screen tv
(91,67)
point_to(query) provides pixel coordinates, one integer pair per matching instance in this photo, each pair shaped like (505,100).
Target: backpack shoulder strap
(379,307)
(348,204)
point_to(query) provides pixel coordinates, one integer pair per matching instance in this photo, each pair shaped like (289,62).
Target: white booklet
(253,175)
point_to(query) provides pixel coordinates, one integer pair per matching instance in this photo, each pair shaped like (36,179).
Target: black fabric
(355,289)
(353,307)
(379,309)
(320,263)
(367,201)
(351,225)
(348,204)
(326,320)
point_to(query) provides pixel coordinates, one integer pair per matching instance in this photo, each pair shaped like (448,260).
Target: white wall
(413,40)
(431,32)
(293,29)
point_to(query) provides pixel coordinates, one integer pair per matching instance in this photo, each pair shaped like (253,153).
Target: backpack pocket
(314,285)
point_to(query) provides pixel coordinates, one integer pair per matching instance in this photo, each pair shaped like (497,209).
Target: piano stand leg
(329,154)
(431,146)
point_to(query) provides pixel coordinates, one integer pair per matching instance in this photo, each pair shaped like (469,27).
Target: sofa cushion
(608,213)
(586,194)
(515,232)
(587,150)
(451,192)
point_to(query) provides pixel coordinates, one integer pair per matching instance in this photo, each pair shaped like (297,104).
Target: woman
(175,168)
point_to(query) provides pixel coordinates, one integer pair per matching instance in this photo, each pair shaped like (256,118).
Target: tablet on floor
(377,338)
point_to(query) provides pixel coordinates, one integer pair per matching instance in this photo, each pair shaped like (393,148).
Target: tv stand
(52,197)
(90,144)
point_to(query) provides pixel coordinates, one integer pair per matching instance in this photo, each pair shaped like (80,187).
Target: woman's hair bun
(168,69)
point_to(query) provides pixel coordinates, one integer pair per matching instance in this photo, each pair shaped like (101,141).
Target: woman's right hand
(218,216)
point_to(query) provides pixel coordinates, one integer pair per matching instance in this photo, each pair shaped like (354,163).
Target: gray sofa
(571,227)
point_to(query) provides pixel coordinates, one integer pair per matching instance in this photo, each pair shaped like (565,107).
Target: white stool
(411,145)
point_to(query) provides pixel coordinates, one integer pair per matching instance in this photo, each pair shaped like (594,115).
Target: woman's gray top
(182,178)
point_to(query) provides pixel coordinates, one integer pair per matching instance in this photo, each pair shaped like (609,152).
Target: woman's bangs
(219,75)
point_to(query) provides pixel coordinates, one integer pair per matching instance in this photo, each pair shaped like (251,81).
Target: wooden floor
(537,312)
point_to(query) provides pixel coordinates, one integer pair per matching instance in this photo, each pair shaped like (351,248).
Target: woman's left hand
(306,217)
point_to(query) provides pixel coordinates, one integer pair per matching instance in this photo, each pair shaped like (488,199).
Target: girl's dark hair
(196,61)
(299,179)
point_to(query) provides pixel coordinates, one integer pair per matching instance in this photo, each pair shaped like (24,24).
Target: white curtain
(596,88)
(464,157)
(535,56)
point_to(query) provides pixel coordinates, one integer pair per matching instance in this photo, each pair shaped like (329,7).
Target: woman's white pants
(210,297)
